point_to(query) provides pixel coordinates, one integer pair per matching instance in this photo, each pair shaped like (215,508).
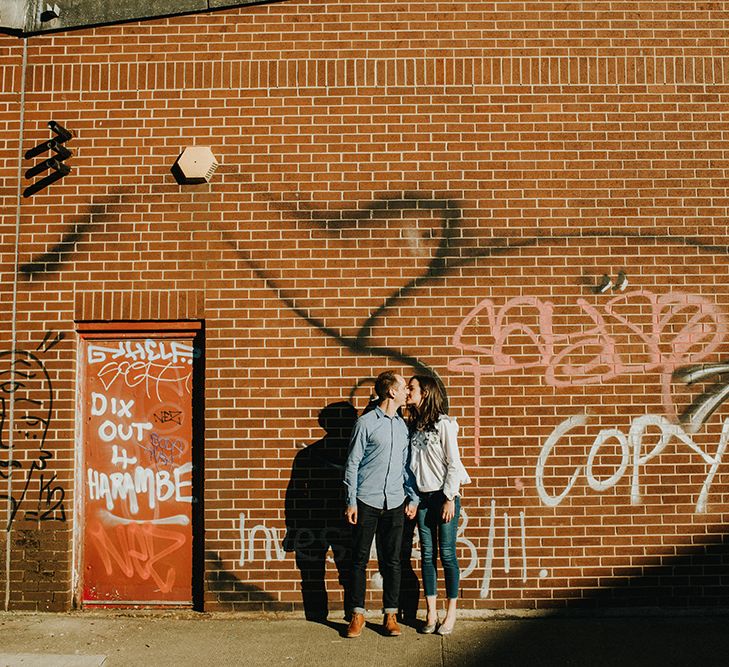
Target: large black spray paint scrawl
(376,212)
(453,252)
(104,210)
(26,392)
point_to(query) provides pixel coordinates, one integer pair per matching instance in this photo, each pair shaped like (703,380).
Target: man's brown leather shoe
(391,626)
(354,629)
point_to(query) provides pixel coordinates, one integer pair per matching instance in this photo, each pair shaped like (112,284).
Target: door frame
(126,329)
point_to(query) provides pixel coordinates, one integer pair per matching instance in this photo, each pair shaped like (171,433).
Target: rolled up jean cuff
(390,610)
(358,610)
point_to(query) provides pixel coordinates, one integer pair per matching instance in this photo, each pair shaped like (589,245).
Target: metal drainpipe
(14,333)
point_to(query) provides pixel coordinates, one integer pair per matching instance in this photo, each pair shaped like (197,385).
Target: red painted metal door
(136,406)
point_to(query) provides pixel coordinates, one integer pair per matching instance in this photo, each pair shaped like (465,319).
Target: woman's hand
(449,510)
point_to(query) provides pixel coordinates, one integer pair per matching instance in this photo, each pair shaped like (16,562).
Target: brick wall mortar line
(358,72)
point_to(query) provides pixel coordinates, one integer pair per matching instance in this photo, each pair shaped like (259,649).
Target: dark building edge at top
(29,17)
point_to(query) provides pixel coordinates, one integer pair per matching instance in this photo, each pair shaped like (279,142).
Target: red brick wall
(404,186)
(10,60)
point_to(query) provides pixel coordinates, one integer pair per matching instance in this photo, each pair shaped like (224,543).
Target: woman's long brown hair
(432,406)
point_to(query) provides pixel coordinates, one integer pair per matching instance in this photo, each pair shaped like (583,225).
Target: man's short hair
(384,382)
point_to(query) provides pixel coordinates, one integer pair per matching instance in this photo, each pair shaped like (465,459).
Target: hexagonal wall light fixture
(196,164)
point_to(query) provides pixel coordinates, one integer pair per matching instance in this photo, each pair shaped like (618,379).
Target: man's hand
(411,510)
(449,510)
(351,514)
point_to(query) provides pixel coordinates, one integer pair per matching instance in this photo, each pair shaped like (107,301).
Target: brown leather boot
(354,629)
(390,624)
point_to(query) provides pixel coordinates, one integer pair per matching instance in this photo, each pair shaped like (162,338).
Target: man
(377,482)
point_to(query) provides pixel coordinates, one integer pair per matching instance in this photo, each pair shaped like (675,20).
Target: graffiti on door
(138,470)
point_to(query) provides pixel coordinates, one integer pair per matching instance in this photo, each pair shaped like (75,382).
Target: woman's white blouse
(434,459)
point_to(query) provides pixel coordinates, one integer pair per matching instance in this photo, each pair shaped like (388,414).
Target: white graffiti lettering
(266,541)
(158,485)
(149,350)
(108,430)
(631,454)
(150,375)
(121,459)
(271,541)
(119,407)
(491,548)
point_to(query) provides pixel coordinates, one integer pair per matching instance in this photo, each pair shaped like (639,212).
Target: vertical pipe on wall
(13,330)
(76,596)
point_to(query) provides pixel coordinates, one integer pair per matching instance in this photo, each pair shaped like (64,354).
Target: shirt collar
(381,413)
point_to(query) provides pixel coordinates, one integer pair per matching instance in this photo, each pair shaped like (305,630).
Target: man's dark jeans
(386,525)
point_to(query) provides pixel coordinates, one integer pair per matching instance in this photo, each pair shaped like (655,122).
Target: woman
(439,473)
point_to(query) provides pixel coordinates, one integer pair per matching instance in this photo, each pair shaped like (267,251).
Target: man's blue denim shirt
(377,472)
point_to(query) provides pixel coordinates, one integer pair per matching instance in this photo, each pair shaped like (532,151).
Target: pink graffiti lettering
(635,332)
(137,551)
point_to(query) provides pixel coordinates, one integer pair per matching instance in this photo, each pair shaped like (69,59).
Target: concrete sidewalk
(114,639)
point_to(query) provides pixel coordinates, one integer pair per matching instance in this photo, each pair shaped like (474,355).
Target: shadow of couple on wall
(315,522)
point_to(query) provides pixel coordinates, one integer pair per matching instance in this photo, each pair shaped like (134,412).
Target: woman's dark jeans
(387,526)
(438,536)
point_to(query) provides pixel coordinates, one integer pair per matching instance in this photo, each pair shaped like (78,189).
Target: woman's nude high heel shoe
(444,631)
(429,629)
